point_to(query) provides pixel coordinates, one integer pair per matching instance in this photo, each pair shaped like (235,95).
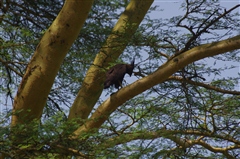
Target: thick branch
(160,75)
(45,63)
(115,44)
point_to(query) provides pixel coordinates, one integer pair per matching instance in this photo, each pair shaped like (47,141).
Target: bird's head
(130,67)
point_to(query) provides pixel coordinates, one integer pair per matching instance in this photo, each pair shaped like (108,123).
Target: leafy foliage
(195,113)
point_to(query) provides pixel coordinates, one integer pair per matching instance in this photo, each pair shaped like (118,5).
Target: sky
(172,8)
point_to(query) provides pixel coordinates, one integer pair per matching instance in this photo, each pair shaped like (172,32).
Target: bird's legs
(120,84)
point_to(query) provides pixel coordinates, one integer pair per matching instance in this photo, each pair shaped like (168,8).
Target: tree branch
(5,63)
(172,135)
(200,32)
(117,41)
(47,59)
(207,86)
(159,76)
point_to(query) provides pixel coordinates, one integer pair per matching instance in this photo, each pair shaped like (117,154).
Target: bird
(115,74)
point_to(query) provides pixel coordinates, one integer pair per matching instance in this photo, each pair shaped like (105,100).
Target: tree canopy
(183,101)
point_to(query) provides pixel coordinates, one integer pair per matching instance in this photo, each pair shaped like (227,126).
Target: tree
(170,111)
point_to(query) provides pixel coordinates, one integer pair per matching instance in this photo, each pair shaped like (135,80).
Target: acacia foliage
(194,113)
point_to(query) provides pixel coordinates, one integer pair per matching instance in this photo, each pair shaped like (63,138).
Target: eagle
(115,74)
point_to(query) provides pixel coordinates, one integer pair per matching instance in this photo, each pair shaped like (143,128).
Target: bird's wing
(116,67)
(110,71)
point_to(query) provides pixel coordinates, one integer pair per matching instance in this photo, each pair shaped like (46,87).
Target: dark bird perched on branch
(115,75)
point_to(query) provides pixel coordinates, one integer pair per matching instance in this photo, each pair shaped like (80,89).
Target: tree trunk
(121,34)
(41,71)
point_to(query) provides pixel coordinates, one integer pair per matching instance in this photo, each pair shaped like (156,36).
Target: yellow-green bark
(160,75)
(115,44)
(45,63)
